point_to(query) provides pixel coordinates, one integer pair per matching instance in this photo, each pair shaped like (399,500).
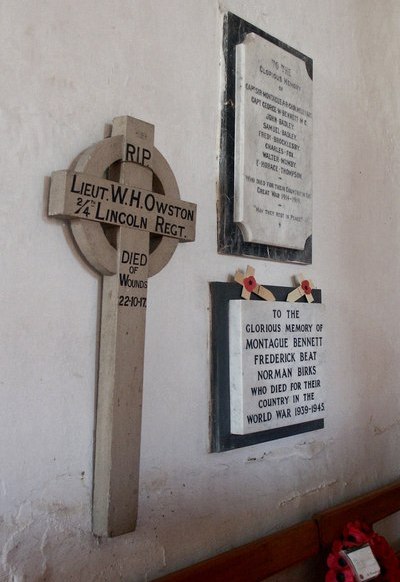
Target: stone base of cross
(127,232)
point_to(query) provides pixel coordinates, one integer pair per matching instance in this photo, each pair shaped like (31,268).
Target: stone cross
(127,232)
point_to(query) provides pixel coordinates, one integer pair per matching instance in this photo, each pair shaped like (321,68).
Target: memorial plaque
(273,145)
(265,202)
(276,352)
(267,366)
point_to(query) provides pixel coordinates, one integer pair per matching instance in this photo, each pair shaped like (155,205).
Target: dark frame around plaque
(221,437)
(230,239)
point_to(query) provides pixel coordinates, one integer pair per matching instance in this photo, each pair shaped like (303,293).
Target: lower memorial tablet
(276,355)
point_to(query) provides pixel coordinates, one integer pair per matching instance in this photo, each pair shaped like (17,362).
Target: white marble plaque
(276,355)
(273,145)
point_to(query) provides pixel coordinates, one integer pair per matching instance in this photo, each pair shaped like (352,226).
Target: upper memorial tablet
(273,145)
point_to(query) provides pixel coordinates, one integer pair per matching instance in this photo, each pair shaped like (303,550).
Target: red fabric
(250,283)
(356,534)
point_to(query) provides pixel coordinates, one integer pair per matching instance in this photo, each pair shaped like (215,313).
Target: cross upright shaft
(122,333)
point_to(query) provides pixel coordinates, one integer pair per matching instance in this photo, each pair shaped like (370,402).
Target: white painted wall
(69,67)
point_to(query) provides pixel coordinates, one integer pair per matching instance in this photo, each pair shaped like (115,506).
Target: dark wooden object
(257,560)
(269,555)
(369,508)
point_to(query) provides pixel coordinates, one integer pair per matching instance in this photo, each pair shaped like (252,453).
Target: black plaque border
(230,239)
(221,437)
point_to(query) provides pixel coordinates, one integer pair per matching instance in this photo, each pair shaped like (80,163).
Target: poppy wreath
(355,535)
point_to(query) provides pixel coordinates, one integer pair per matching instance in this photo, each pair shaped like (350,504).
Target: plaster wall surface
(67,69)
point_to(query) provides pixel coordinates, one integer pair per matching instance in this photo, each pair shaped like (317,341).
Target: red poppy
(336,562)
(380,546)
(250,283)
(305,285)
(342,576)
(356,534)
(386,558)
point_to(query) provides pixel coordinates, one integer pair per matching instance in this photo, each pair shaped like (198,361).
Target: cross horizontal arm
(78,195)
